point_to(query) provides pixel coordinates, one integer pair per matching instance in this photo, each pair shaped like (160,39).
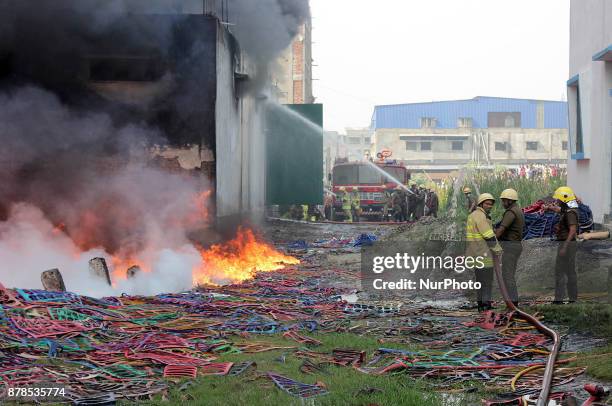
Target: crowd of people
(534,171)
(483,240)
(400,204)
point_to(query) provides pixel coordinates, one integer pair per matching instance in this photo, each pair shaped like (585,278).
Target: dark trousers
(411,213)
(485,277)
(565,273)
(512,253)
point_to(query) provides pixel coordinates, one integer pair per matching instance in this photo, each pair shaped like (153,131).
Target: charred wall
(158,70)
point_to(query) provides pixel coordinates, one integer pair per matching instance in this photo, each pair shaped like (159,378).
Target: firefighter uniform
(513,222)
(420,202)
(355,204)
(412,200)
(565,266)
(479,229)
(388,199)
(399,204)
(346,205)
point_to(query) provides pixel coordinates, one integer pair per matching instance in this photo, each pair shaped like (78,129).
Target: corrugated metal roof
(447,113)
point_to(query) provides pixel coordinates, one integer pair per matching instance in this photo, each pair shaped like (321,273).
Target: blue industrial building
(448,114)
(439,137)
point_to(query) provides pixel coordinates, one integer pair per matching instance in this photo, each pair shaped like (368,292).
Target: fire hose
(552,357)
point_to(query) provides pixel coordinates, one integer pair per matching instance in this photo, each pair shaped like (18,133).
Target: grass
(592,318)
(344,383)
(597,362)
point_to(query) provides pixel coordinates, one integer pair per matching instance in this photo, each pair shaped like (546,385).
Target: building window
(367,140)
(464,122)
(428,122)
(457,145)
(354,140)
(499,119)
(531,145)
(564,145)
(411,146)
(425,145)
(501,146)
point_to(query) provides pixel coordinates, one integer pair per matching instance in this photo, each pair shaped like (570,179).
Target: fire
(119,266)
(239,259)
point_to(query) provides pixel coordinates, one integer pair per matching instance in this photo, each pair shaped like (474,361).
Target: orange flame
(238,260)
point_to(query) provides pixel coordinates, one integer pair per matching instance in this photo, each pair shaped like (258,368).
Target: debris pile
(540,223)
(122,347)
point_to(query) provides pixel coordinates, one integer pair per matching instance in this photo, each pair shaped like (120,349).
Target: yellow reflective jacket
(479,227)
(346,201)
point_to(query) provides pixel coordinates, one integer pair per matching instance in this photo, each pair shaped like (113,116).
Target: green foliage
(494,182)
(594,318)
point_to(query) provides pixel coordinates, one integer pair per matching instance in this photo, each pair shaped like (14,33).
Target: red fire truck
(369,182)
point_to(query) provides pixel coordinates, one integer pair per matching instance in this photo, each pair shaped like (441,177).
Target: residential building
(440,137)
(357,143)
(589,93)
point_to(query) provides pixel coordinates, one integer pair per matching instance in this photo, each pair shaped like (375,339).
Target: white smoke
(30,244)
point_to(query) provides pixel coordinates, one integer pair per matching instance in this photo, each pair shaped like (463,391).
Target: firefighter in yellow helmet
(470,202)
(345,197)
(510,232)
(355,203)
(481,245)
(567,229)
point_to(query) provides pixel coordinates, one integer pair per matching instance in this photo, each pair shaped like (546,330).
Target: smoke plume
(76,178)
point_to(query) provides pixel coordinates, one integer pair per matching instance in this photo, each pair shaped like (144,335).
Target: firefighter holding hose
(481,242)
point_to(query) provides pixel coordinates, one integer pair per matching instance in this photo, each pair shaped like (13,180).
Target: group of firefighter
(483,240)
(400,203)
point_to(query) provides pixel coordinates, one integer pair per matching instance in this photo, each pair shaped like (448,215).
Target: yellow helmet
(467,190)
(509,194)
(565,194)
(342,189)
(485,196)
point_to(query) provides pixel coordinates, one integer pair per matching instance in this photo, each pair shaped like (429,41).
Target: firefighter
(470,202)
(412,202)
(481,242)
(567,229)
(432,202)
(346,204)
(510,231)
(399,204)
(355,204)
(420,202)
(388,199)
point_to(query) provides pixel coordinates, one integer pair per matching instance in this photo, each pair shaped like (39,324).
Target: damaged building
(174,67)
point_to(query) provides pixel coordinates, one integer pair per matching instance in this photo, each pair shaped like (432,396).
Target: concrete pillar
(98,268)
(52,281)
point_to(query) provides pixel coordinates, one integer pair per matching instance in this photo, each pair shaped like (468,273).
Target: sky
(376,52)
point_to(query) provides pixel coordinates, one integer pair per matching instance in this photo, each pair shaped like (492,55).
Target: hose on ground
(552,357)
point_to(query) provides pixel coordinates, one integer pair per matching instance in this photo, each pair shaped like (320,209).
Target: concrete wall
(590,33)
(240,145)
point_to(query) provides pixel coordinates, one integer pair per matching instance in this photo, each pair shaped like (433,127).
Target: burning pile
(239,259)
